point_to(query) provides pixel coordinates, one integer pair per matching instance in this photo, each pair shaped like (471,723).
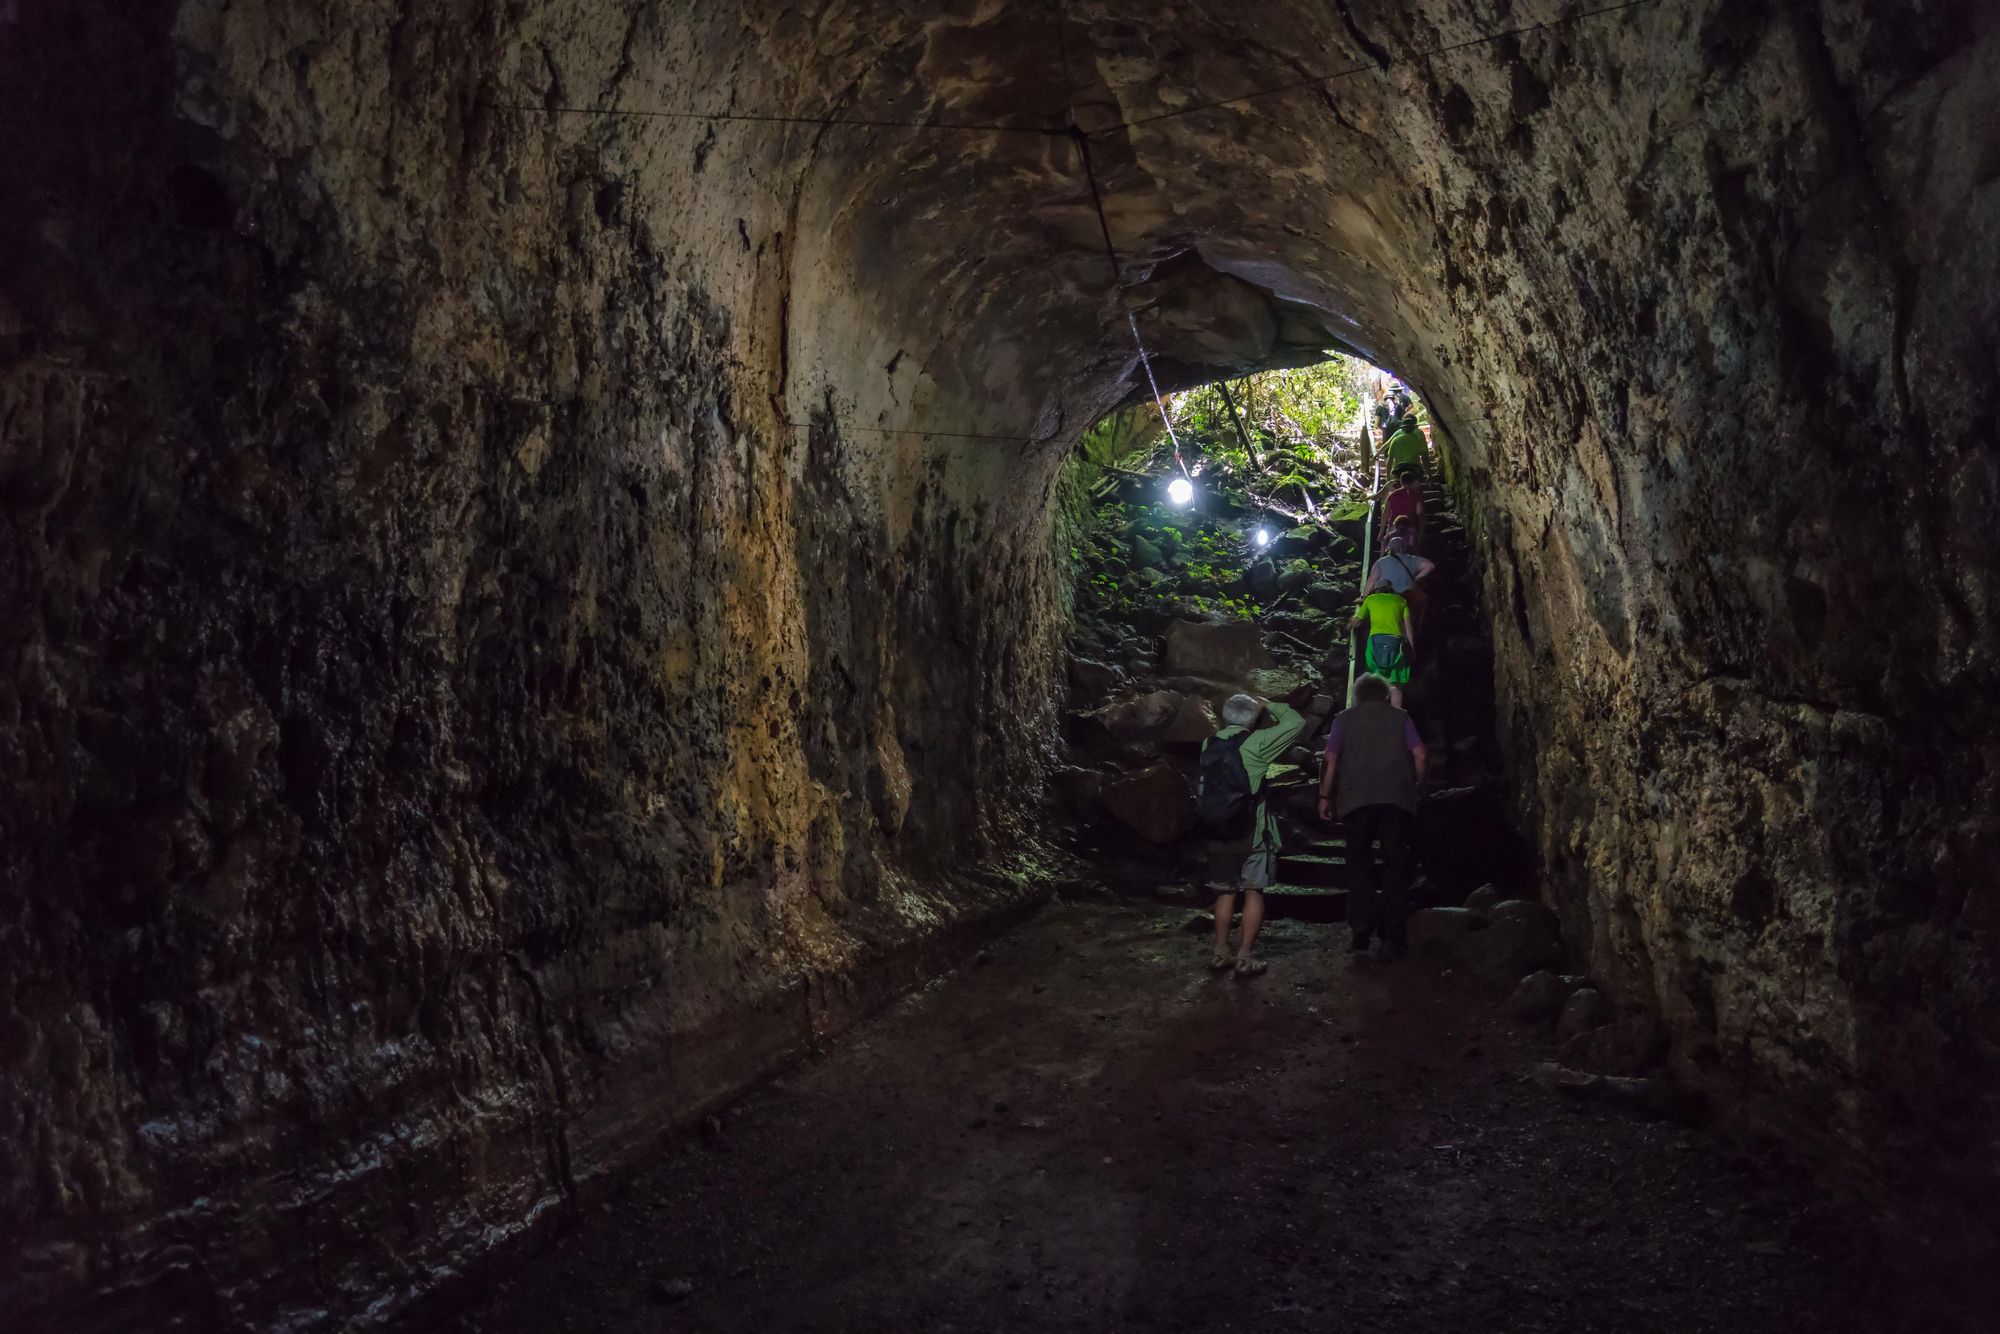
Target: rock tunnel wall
(488,667)
(468,704)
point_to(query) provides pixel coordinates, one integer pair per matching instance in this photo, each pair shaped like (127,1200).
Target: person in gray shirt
(1401,571)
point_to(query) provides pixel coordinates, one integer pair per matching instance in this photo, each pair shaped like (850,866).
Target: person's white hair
(1241,710)
(1369,687)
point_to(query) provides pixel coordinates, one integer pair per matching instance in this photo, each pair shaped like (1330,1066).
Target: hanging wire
(1082,138)
(820,122)
(1082,141)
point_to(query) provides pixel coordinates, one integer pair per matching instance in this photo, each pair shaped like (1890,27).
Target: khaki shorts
(1237,865)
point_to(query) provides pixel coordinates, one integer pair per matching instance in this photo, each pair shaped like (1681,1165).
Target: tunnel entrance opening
(525,555)
(1247,585)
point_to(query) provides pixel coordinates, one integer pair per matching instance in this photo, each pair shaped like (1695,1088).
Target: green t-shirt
(1385,613)
(1406,446)
(1261,750)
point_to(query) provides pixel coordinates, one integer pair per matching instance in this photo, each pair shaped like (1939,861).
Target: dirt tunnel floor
(1085,1130)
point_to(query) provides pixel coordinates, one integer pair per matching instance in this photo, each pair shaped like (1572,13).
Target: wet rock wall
(480,634)
(464,711)
(1740,522)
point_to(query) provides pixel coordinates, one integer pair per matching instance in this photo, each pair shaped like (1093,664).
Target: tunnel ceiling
(531,602)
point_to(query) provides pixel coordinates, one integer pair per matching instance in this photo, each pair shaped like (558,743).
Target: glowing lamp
(1180,491)
(1263,537)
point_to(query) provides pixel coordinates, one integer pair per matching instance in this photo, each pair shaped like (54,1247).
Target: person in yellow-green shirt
(1406,447)
(1392,639)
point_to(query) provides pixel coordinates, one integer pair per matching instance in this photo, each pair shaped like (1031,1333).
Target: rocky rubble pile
(1176,609)
(1516,945)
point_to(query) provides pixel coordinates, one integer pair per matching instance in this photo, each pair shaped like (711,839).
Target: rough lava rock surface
(492,661)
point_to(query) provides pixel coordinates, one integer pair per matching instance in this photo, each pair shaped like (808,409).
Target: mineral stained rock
(517,614)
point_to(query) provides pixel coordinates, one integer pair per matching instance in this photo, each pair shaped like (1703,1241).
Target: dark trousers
(1378,902)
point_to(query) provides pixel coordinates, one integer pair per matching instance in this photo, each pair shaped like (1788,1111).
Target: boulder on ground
(1300,541)
(1153,802)
(1079,791)
(1231,650)
(1260,579)
(1484,899)
(1327,597)
(1537,915)
(1193,723)
(1441,931)
(1146,553)
(1509,949)
(1091,680)
(1277,682)
(1295,576)
(1541,995)
(1497,952)
(1152,578)
(1158,717)
(1140,718)
(1629,1045)
(1586,1009)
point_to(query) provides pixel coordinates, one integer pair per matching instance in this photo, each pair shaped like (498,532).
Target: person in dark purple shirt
(1375,761)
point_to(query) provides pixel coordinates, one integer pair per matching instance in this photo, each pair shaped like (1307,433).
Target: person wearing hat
(1406,447)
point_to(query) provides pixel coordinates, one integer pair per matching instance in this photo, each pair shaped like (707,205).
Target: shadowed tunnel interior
(528,591)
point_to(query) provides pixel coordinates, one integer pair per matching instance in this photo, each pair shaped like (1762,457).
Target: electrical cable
(1072,130)
(912,430)
(822,122)
(1082,142)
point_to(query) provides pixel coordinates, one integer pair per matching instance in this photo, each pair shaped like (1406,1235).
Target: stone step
(1313,869)
(1305,903)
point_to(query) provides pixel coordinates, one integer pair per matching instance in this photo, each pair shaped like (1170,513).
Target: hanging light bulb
(1180,491)
(1263,537)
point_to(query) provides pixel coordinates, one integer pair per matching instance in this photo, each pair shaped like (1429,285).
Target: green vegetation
(1299,481)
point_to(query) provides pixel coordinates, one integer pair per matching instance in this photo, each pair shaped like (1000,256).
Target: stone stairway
(1450,697)
(1312,882)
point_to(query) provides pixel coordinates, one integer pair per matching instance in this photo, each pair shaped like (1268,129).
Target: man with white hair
(1243,834)
(1375,762)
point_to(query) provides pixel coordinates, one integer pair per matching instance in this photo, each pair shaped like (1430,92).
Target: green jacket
(1406,446)
(1260,752)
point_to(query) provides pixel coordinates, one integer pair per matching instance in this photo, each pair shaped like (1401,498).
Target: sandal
(1250,967)
(1218,962)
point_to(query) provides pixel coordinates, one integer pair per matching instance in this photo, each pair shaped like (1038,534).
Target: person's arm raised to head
(1282,725)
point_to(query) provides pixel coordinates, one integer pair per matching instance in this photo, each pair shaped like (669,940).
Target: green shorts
(1389,659)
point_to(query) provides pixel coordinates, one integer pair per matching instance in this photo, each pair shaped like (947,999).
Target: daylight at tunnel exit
(999,665)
